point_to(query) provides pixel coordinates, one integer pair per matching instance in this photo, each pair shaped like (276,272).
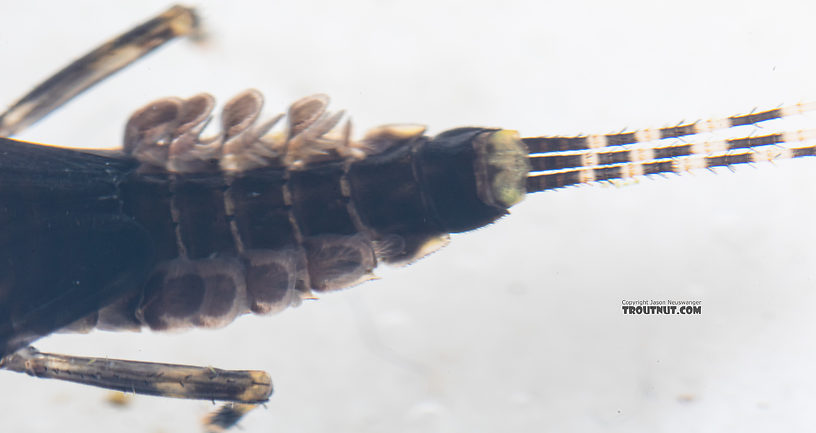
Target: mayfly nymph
(183,228)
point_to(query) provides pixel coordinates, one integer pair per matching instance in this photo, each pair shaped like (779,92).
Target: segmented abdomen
(263,239)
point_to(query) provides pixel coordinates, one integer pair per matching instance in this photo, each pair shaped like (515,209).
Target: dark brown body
(100,241)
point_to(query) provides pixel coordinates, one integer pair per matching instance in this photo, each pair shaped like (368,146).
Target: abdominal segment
(243,225)
(211,292)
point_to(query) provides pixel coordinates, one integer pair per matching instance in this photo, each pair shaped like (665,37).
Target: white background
(516,327)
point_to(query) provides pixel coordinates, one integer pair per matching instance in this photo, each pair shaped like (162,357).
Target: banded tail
(560,161)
